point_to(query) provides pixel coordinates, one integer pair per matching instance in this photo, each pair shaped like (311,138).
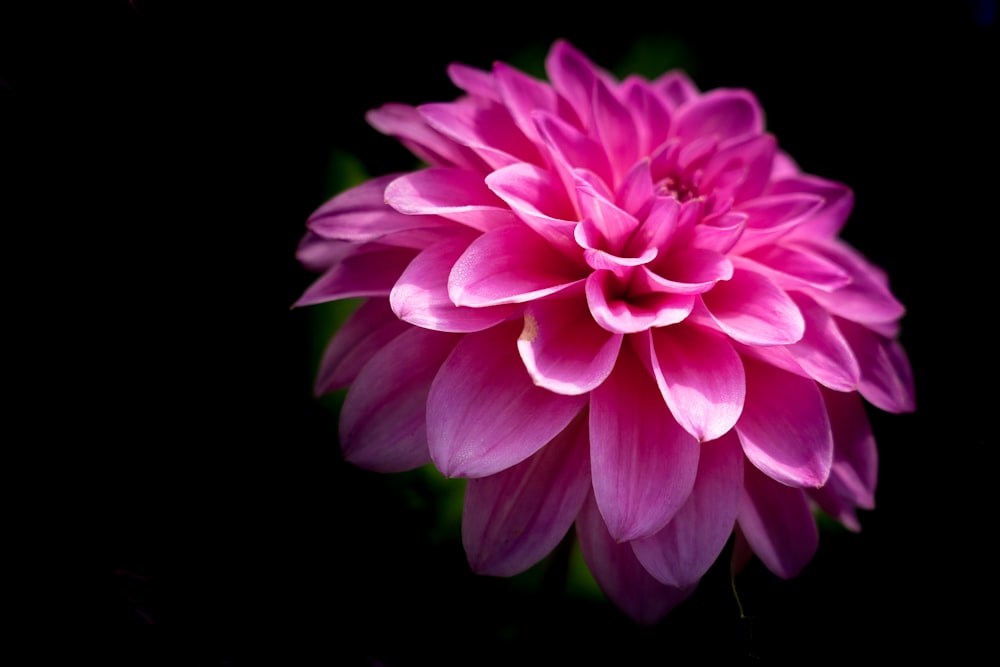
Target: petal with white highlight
(456,194)
(562,347)
(701,378)
(753,310)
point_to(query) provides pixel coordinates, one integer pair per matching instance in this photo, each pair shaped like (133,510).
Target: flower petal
(420,296)
(360,215)
(683,551)
(509,265)
(643,463)
(371,270)
(562,347)
(483,412)
(724,113)
(777,523)
(823,352)
(405,123)
(539,201)
(753,310)
(616,311)
(382,423)
(513,519)
(784,427)
(367,330)
(620,574)
(886,376)
(701,378)
(486,129)
(455,194)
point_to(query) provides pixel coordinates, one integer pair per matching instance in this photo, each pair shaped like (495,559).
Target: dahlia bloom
(613,306)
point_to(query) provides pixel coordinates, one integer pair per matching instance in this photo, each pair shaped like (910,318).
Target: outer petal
(407,125)
(854,474)
(539,199)
(563,348)
(371,270)
(513,519)
(886,375)
(365,332)
(620,575)
(784,427)
(701,378)
(777,524)
(753,310)
(643,463)
(823,352)
(487,129)
(681,553)
(456,194)
(483,412)
(382,423)
(509,265)
(420,296)
(360,215)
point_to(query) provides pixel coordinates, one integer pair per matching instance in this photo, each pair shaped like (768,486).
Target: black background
(180,492)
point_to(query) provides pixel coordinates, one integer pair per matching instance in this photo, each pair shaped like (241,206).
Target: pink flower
(616,307)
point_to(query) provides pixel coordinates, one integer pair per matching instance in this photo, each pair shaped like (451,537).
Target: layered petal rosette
(614,307)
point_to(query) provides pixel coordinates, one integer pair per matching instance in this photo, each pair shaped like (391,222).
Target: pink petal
(797,267)
(614,128)
(539,200)
(772,217)
(620,575)
(614,225)
(360,215)
(614,310)
(682,552)
(509,265)
(688,271)
(886,376)
(523,94)
(452,193)
(650,112)
(741,169)
(643,463)
(562,347)
(484,414)
(486,129)
(571,149)
(420,296)
(753,310)
(475,81)
(382,422)
(371,270)
(784,427)
(777,523)
(676,87)
(318,254)
(838,200)
(854,474)
(701,378)
(406,124)
(573,77)
(368,329)
(722,113)
(823,352)
(513,519)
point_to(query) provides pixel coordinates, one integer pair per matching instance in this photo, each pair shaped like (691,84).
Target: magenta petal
(406,124)
(456,194)
(777,523)
(487,129)
(701,378)
(683,551)
(753,310)
(722,112)
(420,296)
(854,474)
(838,200)
(562,347)
(382,423)
(620,575)
(643,463)
(539,200)
(484,414)
(886,376)
(365,332)
(509,265)
(614,128)
(513,519)
(371,270)
(823,352)
(784,428)
(608,304)
(866,298)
